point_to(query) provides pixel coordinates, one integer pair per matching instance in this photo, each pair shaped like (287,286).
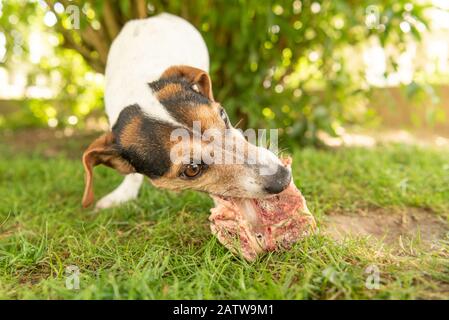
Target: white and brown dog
(156,82)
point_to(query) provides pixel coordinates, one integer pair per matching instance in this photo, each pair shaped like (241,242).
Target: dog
(156,82)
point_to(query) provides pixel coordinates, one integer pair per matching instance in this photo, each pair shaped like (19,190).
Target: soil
(392,227)
(47,142)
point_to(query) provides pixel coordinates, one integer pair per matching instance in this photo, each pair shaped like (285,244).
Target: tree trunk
(94,43)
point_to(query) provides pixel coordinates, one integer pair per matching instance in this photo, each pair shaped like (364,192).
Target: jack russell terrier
(156,82)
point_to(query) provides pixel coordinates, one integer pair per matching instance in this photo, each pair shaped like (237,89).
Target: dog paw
(112,200)
(106,202)
(128,190)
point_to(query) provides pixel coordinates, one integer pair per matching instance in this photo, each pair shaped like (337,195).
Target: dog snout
(279,181)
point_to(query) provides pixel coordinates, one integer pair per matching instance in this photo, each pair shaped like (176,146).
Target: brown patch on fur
(131,132)
(168,91)
(208,117)
(193,75)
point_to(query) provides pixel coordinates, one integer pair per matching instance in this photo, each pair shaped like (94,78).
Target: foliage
(280,64)
(78,88)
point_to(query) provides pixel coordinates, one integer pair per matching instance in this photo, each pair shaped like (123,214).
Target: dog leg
(127,190)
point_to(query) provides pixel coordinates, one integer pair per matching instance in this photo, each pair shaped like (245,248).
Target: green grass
(160,246)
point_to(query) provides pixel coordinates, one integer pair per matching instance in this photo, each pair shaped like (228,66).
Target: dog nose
(279,181)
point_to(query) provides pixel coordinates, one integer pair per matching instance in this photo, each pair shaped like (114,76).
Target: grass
(160,246)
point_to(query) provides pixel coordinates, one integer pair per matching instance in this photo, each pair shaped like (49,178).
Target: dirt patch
(48,142)
(388,226)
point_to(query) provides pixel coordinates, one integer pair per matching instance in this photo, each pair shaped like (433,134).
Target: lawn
(160,247)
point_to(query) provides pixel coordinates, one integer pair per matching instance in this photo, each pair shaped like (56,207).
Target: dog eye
(224,117)
(193,170)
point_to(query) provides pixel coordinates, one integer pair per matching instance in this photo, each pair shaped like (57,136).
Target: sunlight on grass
(161,247)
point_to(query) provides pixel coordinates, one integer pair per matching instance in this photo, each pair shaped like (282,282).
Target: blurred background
(332,71)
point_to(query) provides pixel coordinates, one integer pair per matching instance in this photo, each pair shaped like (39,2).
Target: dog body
(141,53)
(157,84)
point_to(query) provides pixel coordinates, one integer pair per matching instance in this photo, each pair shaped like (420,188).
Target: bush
(279,64)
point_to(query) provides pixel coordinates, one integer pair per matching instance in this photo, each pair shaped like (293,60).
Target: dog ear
(101,151)
(195,76)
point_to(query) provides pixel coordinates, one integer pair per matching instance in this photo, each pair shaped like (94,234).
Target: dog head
(195,147)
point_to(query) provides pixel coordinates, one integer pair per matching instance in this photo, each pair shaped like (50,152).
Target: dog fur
(157,82)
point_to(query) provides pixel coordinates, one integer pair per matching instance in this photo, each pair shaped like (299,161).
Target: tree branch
(92,41)
(140,9)
(112,25)
(95,63)
(96,39)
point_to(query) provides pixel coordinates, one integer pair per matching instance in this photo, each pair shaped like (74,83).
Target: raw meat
(254,226)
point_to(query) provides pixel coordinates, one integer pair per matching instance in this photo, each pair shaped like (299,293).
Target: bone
(252,227)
